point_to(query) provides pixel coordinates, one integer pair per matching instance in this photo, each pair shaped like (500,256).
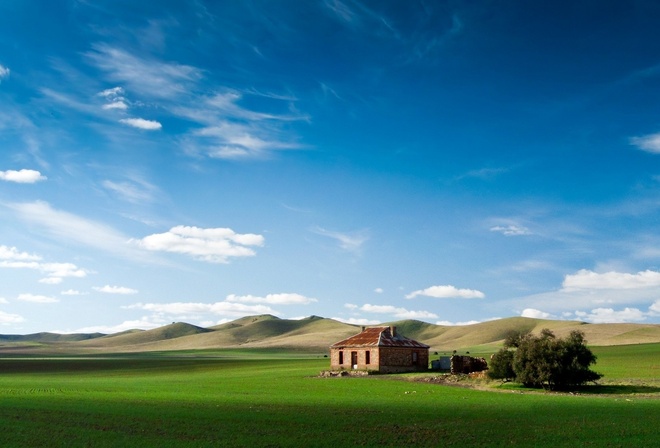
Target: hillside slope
(316,334)
(140,337)
(491,334)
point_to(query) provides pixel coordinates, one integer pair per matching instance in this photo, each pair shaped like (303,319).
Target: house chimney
(363,327)
(393,330)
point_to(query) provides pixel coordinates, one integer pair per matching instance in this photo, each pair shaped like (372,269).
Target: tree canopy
(545,360)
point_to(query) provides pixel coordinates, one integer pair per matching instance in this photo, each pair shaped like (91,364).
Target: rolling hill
(315,334)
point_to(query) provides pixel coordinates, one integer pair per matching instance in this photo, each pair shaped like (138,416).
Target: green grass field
(266,399)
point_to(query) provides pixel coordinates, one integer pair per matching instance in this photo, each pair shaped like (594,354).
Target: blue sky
(452,162)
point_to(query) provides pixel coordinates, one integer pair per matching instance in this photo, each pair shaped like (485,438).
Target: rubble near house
(467,364)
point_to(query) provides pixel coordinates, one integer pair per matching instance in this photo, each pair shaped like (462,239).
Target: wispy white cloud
(535,314)
(483,173)
(232,131)
(273,299)
(145,323)
(227,140)
(141,123)
(609,315)
(114,98)
(215,245)
(12,253)
(447,292)
(649,143)
(227,105)
(70,101)
(115,290)
(655,307)
(511,230)
(51,280)
(36,298)
(341,10)
(532,265)
(397,312)
(67,227)
(356,321)
(8,318)
(112,94)
(133,189)
(10,257)
(359,17)
(415,43)
(119,105)
(4,72)
(447,323)
(61,270)
(596,297)
(198,309)
(222,128)
(72,292)
(351,242)
(22,176)
(586,279)
(147,76)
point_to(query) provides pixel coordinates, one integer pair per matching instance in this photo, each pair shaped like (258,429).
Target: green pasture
(245,398)
(628,362)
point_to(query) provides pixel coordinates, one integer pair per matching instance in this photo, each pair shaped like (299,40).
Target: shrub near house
(545,361)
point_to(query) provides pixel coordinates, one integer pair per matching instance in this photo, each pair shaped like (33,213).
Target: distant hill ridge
(318,333)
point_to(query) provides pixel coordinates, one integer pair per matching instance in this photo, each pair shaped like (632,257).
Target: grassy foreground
(242,401)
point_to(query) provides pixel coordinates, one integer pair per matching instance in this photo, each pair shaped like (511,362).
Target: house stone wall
(374,358)
(382,359)
(394,359)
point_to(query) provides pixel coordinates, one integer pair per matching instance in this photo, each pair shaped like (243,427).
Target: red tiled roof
(378,337)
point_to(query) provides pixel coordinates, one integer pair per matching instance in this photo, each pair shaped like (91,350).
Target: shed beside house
(379,349)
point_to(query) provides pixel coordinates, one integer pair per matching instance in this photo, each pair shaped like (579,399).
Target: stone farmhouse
(379,349)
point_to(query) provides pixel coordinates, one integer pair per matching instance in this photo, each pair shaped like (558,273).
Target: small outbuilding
(379,349)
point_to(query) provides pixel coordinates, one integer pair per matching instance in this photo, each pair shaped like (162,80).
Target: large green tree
(545,360)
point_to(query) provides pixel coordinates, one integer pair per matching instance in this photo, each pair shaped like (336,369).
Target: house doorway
(354,360)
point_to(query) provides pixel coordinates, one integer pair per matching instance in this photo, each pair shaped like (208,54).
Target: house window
(341,357)
(367,357)
(414,355)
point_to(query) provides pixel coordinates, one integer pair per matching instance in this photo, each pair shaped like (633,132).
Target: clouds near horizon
(447,292)
(598,297)
(398,312)
(586,279)
(272,299)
